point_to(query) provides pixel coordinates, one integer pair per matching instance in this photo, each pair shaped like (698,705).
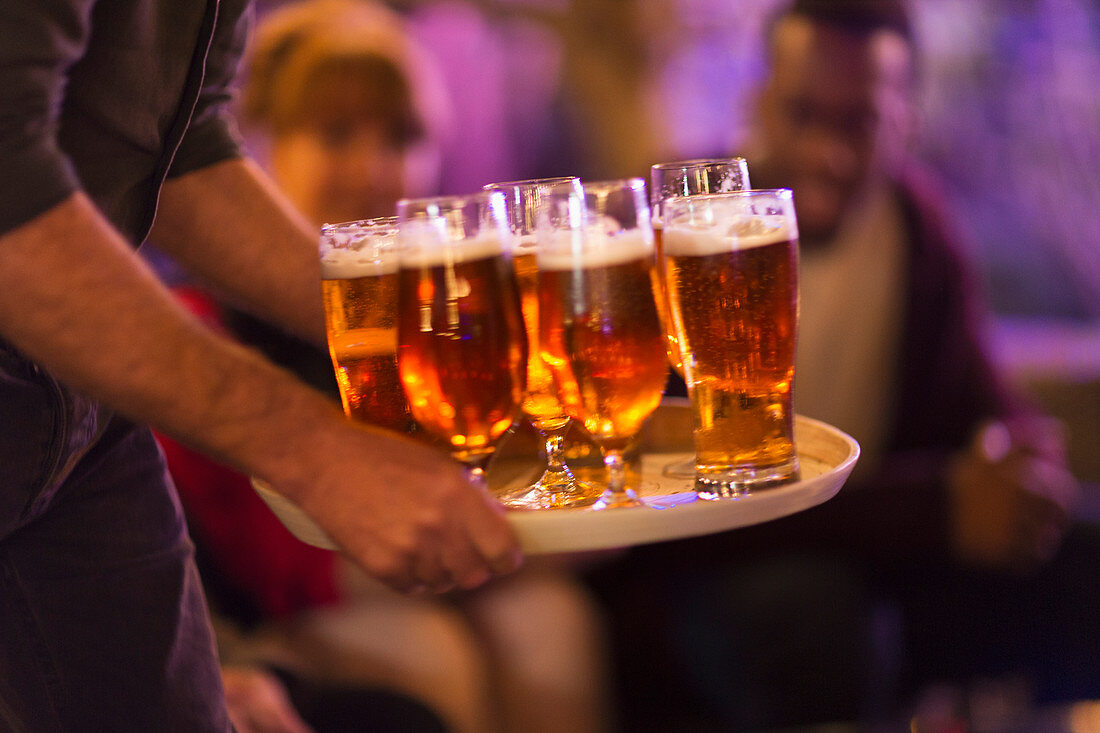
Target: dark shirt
(947,386)
(110,97)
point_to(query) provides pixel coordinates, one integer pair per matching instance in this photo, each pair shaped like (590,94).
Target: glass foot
(555,490)
(621,500)
(680,469)
(730,483)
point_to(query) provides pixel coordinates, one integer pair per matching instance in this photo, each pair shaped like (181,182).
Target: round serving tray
(826,455)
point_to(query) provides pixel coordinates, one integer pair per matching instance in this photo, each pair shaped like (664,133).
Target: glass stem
(616,476)
(554,442)
(475,471)
(617,494)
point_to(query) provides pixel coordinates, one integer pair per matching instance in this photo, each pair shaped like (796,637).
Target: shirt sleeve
(212,135)
(40,40)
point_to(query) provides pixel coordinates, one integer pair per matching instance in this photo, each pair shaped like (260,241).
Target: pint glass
(462,351)
(731,266)
(359,288)
(688,178)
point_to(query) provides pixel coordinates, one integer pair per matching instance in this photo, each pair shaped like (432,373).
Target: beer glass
(557,487)
(462,352)
(359,289)
(731,267)
(687,178)
(598,326)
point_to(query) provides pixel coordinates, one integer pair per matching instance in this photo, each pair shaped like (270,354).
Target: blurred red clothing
(247,545)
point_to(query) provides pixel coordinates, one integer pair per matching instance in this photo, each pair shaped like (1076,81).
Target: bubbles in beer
(462,351)
(732,286)
(599,330)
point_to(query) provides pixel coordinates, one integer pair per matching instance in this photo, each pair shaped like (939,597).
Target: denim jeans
(103,624)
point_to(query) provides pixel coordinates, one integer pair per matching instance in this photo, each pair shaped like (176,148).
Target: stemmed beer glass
(686,178)
(557,487)
(462,351)
(598,326)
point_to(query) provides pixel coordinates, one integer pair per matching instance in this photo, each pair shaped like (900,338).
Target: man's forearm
(209,220)
(76,298)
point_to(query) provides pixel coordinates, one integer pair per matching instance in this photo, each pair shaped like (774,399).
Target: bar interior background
(1009,111)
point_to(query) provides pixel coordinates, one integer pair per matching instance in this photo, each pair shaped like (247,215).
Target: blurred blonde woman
(348,115)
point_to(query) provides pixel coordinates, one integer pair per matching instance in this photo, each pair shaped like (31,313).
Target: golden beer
(557,486)
(672,347)
(602,339)
(733,298)
(462,349)
(359,291)
(687,178)
(541,401)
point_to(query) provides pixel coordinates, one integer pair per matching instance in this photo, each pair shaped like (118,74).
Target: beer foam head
(423,243)
(595,247)
(698,238)
(348,253)
(525,243)
(711,223)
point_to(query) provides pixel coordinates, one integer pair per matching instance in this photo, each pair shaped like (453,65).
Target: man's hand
(258,703)
(1011,495)
(402,511)
(405,512)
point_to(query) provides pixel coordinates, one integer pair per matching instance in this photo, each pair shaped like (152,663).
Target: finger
(1041,481)
(433,576)
(390,567)
(1055,482)
(993,442)
(465,563)
(439,544)
(1039,435)
(496,543)
(493,538)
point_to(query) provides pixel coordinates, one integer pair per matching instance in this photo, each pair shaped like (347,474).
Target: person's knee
(546,623)
(422,647)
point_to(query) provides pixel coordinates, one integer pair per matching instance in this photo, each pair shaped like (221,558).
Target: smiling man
(960,504)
